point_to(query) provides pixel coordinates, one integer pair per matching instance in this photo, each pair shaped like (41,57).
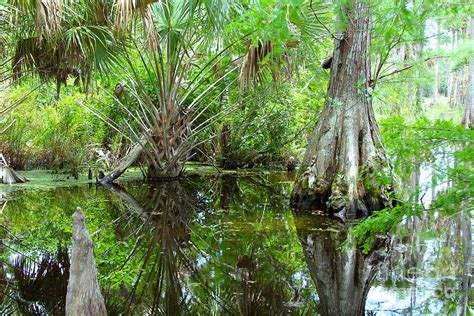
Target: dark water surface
(225,245)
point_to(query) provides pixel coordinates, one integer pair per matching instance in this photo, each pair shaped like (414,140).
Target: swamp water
(224,245)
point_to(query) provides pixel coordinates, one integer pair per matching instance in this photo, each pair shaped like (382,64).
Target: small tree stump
(83,292)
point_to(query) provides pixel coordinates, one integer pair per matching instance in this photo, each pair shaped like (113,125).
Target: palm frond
(270,57)
(61,39)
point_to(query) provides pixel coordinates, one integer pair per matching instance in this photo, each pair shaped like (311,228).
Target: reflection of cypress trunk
(342,278)
(345,155)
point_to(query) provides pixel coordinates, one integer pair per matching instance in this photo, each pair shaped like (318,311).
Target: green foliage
(281,21)
(422,141)
(368,231)
(446,148)
(59,135)
(289,116)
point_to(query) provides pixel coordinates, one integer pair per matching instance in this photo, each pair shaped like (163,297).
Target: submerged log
(83,293)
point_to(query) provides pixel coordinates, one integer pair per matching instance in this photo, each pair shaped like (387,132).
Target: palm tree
(184,77)
(54,39)
(167,86)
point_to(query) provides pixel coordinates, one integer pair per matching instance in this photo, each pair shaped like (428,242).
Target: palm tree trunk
(126,161)
(345,158)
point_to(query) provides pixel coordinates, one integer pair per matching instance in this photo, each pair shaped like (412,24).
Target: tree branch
(407,67)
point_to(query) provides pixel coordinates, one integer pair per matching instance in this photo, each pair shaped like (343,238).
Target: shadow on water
(343,277)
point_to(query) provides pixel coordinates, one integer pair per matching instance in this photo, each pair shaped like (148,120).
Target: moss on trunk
(345,158)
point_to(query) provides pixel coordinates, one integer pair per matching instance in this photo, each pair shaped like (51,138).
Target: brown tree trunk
(436,70)
(83,293)
(418,54)
(134,153)
(453,76)
(344,160)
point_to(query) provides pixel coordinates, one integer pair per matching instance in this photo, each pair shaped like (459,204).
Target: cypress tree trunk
(83,292)
(344,162)
(468,115)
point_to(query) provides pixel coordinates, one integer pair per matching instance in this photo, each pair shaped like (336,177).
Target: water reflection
(174,258)
(229,245)
(343,277)
(162,238)
(32,286)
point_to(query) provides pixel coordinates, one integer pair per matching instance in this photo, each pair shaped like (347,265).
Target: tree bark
(83,292)
(453,76)
(344,162)
(436,69)
(468,116)
(8,175)
(126,161)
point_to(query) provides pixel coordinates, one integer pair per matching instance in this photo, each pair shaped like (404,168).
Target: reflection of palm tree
(162,252)
(258,297)
(40,287)
(342,277)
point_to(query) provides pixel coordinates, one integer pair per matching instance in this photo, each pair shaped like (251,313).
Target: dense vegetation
(374,92)
(235,84)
